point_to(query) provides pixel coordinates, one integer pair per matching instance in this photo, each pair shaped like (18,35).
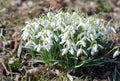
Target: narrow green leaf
(115,74)
(19,52)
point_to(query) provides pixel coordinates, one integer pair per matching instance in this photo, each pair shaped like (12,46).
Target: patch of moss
(103,6)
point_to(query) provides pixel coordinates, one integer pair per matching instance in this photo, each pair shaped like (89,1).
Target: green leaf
(115,74)
(19,52)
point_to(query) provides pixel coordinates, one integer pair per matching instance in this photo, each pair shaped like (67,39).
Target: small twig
(7,72)
(15,45)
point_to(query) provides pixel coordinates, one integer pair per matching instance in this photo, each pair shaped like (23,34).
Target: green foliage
(103,5)
(15,66)
(68,40)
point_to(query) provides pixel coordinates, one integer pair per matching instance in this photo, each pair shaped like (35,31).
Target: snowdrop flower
(47,47)
(25,35)
(94,49)
(97,22)
(117,53)
(28,43)
(36,25)
(38,35)
(79,51)
(71,50)
(64,51)
(62,29)
(38,47)
(49,33)
(91,37)
(81,42)
(112,29)
(64,37)
(49,14)
(52,24)
(49,40)
(46,23)
(100,46)
(68,42)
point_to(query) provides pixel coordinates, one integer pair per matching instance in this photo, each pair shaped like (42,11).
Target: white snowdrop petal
(83,43)
(49,40)
(25,35)
(116,53)
(91,36)
(71,50)
(64,51)
(47,47)
(68,43)
(92,52)
(79,51)
(38,48)
(95,47)
(39,34)
(62,42)
(100,46)
(113,29)
(28,43)
(36,25)
(56,38)
(52,24)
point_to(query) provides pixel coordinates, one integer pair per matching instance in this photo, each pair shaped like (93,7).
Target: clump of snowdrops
(69,40)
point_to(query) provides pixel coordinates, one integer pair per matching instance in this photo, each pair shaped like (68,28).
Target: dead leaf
(57,72)
(83,58)
(7,72)
(2,60)
(17,77)
(54,4)
(117,41)
(33,71)
(37,70)
(70,77)
(15,45)
(1,71)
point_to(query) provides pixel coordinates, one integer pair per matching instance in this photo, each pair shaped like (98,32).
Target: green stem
(67,61)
